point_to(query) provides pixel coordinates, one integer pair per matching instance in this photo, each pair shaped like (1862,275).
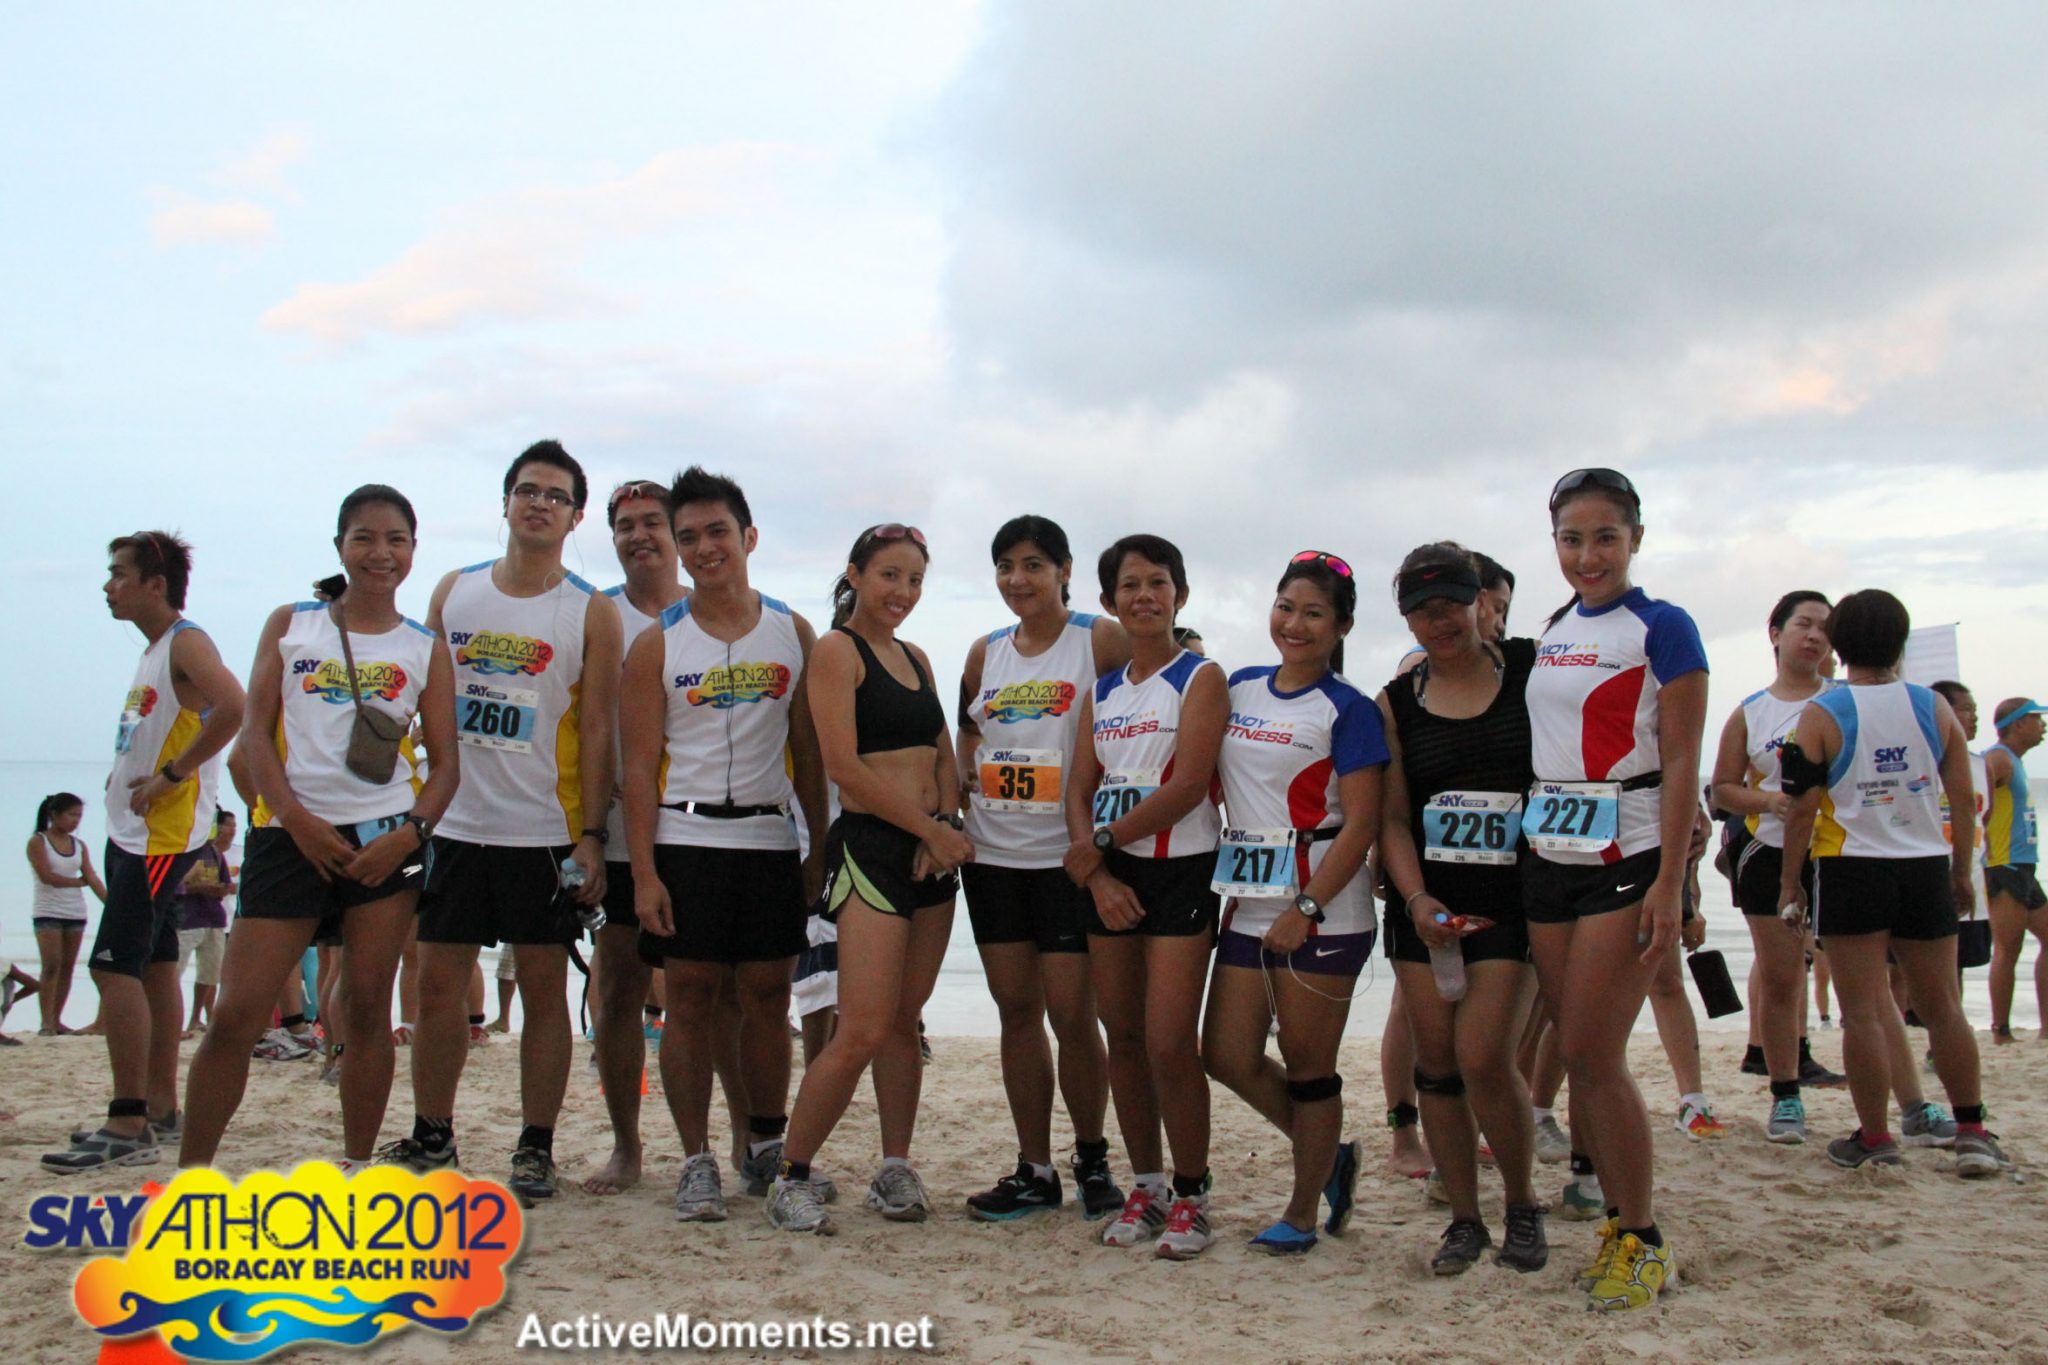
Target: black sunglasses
(1611,479)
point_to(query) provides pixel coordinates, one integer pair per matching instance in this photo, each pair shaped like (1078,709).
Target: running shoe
(1813,1073)
(1636,1273)
(794,1206)
(1753,1063)
(1100,1196)
(533,1173)
(1788,1121)
(101,1149)
(1978,1155)
(1284,1239)
(1434,1189)
(1464,1242)
(1595,1271)
(1338,1193)
(760,1168)
(278,1045)
(1017,1195)
(478,1035)
(168,1131)
(898,1195)
(698,1197)
(1143,1216)
(1582,1200)
(1827,1021)
(824,1188)
(1187,1232)
(350,1167)
(1697,1122)
(924,1045)
(1926,1124)
(1525,1248)
(1552,1146)
(1851,1152)
(412,1153)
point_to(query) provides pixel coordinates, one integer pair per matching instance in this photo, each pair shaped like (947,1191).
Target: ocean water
(960,1004)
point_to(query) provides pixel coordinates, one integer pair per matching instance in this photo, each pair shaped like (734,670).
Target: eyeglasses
(631,489)
(1612,479)
(1337,566)
(533,492)
(896,530)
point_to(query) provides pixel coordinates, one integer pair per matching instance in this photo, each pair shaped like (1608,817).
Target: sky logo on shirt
(491,653)
(1892,760)
(727,686)
(327,679)
(1034,700)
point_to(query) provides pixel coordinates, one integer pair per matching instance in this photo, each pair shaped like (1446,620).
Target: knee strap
(1320,1088)
(1451,1086)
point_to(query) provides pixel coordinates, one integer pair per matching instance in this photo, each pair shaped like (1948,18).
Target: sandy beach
(1781,1256)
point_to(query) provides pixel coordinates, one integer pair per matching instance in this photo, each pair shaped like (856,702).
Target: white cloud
(515,256)
(260,168)
(179,219)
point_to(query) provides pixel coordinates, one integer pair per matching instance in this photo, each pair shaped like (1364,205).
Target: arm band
(1798,773)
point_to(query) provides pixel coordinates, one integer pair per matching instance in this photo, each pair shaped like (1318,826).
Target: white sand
(1780,1255)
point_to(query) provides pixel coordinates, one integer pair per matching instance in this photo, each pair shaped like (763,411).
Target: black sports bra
(888,715)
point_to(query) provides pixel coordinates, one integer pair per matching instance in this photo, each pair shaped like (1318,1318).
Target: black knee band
(1451,1086)
(1321,1088)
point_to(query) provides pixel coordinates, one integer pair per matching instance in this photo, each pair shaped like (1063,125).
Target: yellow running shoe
(1636,1272)
(1610,1237)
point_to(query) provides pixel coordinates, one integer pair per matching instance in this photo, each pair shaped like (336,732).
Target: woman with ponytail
(63,871)
(337,846)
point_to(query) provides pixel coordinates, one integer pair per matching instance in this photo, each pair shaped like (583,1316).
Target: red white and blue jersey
(1593,706)
(1282,756)
(1137,742)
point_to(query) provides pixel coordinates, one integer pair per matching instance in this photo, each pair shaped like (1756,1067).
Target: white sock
(889,1161)
(1542,1114)
(1154,1181)
(756,1148)
(1696,1100)
(1042,1172)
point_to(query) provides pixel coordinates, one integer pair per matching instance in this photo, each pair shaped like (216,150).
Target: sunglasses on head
(1336,565)
(896,530)
(1611,479)
(635,488)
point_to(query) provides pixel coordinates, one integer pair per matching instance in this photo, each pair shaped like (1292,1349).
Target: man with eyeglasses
(521,848)
(181,711)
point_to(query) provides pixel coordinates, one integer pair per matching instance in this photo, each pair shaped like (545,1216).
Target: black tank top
(1487,752)
(888,715)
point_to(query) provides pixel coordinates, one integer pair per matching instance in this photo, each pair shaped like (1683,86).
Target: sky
(1350,276)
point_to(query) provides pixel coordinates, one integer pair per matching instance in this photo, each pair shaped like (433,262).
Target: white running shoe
(1187,1229)
(898,1195)
(1552,1146)
(1143,1217)
(793,1206)
(698,1196)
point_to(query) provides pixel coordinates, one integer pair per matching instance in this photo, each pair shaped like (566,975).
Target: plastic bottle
(590,917)
(1448,966)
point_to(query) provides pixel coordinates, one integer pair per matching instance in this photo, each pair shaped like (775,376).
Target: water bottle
(1448,966)
(590,917)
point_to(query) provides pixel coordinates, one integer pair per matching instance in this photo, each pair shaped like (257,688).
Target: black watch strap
(599,833)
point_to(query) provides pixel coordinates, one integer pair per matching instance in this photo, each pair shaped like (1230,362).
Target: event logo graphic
(141,701)
(492,653)
(1034,700)
(724,687)
(215,1269)
(328,680)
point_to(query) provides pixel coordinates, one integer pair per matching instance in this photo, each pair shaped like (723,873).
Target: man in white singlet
(717,739)
(181,711)
(536,653)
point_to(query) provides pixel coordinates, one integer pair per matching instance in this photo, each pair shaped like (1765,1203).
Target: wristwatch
(1104,840)
(167,775)
(1306,904)
(599,833)
(954,820)
(422,827)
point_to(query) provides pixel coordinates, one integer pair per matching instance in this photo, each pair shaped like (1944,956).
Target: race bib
(367,831)
(498,717)
(1018,779)
(1573,817)
(1472,827)
(1120,793)
(1255,862)
(2033,827)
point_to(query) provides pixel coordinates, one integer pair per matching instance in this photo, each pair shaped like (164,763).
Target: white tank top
(154,730)
(728,728)
(317,712)
(59,902)
(518,693)
(634,621)
(1768,720)
(1028,711)
(1137,735)
(1883,798)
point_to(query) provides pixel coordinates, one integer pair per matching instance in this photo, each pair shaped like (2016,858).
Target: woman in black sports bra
(890,862)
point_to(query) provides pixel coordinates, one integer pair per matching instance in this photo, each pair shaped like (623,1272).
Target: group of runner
(693,773)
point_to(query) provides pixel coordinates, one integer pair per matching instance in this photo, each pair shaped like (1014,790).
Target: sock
(1581,1164)
(652,1011)
(533,1135)
(1755,1054)
(765,1128)
(1614,1212)
(128,1109)
(1189,1186)
(436,1135)
(889,1161)
(1155,1181)
(1541,1114)
(1039,1172)
(1696,1100)
(1972,1114)
(1649,1236)
(476,1021)
(1096,1150)
(1805,1050)
(1784,1090)
(795,1170)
